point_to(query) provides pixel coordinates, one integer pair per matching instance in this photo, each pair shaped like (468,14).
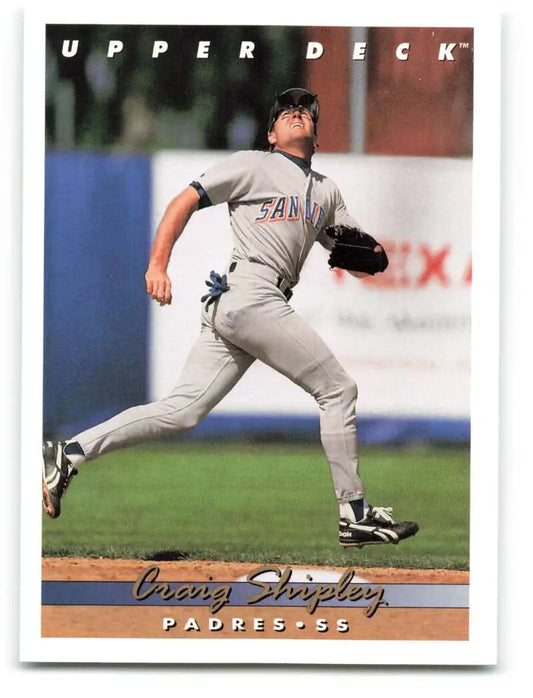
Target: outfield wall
(96,315)
(404,336)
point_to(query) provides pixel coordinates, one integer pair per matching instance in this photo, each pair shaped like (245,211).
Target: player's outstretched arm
(177,214)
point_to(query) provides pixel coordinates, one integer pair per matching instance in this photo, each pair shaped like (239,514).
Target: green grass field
(259,503)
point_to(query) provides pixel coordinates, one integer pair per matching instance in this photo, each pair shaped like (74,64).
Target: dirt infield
(98,569)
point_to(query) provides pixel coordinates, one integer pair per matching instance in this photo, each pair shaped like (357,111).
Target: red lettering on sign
(434,265)
(468,274)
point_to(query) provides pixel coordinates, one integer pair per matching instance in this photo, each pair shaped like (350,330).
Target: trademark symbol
(464,45)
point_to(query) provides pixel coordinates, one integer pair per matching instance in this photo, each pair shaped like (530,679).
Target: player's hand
(362,274)
(158,286)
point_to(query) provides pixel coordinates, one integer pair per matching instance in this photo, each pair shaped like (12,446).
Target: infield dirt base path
(240,621)
(99,569)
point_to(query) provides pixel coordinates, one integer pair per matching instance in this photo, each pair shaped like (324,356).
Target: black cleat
(58,471)
(378,527)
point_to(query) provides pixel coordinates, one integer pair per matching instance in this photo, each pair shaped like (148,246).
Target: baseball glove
(354,250)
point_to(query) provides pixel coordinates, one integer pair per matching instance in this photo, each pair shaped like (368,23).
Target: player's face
(293,127)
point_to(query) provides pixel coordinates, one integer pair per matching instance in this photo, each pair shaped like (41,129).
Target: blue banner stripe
(242,594)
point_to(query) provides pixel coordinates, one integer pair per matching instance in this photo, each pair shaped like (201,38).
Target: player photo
(257,368)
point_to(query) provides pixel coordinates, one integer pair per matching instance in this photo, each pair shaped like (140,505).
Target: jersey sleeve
(228,180)
(338,216)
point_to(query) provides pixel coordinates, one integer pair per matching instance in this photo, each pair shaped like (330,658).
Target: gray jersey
(278,207)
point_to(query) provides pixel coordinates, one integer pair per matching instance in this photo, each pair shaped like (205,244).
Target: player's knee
(342,390)
(176,418)
(187,420)
(190,420)
(349,389)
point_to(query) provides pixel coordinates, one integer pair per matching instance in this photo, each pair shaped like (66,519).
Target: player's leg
(276,335)
(272,332)
(212,368)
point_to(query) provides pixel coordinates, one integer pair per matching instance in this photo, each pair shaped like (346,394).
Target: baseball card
(242,447)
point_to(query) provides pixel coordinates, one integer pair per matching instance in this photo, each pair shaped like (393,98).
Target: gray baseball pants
(250,321)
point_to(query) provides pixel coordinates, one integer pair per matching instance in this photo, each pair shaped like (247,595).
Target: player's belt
(284,287)
(281,282)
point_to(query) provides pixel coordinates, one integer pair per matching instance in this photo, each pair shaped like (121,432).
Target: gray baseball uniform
(278,208)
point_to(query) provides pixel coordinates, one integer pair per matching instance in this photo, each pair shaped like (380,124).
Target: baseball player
(278,208)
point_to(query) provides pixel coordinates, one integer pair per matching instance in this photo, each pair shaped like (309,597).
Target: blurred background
(126,133)
(133,102)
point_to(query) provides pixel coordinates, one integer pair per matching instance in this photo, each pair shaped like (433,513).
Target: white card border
(481,647)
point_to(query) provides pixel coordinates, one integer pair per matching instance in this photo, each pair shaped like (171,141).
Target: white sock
(75,459)
(347,510)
